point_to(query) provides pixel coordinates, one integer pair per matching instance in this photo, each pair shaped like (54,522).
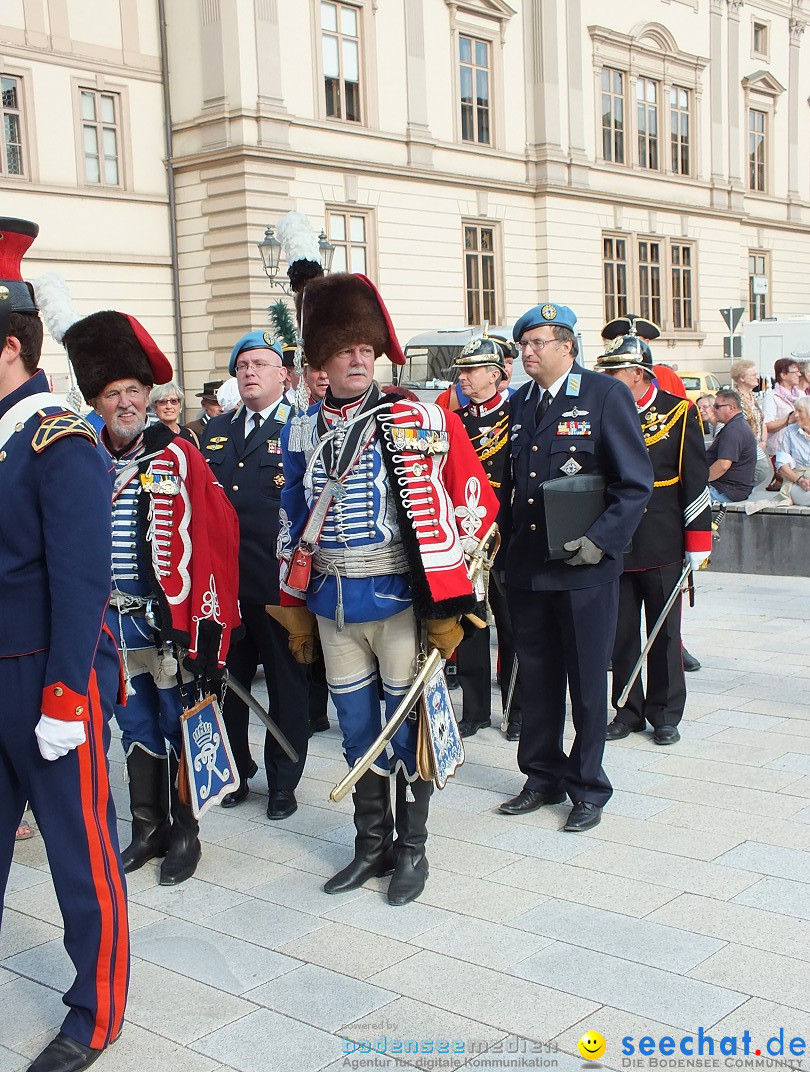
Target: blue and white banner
(443,735)
(209,759)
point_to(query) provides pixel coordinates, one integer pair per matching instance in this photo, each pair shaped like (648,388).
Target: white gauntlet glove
(696,559)
(587,553)
(56,737)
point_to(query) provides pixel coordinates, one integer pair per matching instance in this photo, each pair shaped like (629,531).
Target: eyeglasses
(536,345)
(259,366)
(720,405)
(794,372)
(168,402)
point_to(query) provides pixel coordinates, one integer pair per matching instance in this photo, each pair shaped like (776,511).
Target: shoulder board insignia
(55,426)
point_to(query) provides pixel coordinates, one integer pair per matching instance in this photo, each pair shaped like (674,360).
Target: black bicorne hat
(630,324)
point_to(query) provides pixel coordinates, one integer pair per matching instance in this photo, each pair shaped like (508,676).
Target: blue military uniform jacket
(252,477)
(54,560)
(591,426)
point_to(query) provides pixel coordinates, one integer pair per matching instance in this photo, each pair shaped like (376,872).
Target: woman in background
(777,409)
(166,400)
(744,379)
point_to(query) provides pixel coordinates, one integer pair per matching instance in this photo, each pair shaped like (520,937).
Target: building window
(613,115)
(760,38)
(757,132)
(614,271)
(11,145)
(679,129)
(757,286)
(340,41)
(649,280)
(348,233)
(652,276)
(101,137)
(682,290)
(474,83)
(647,121)
(479,273)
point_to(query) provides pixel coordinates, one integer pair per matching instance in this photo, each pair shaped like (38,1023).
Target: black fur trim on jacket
(424,606)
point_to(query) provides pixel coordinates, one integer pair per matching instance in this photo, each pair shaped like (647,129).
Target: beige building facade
(472,156)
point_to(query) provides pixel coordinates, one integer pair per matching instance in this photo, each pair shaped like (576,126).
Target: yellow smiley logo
(592,1046)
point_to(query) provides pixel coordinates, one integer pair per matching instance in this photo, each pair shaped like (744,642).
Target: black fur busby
(112,346)
(340,310)
(102,347)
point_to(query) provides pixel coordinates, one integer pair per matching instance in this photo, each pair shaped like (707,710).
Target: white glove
(587,553)
(56,737)
(696,559)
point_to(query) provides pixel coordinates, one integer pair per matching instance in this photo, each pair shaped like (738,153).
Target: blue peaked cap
(255,340)
(549,313)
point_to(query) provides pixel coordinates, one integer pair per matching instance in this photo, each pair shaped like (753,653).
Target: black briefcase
(571,504)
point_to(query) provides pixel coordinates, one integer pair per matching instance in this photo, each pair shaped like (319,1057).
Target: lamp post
(270,250)
(327,251)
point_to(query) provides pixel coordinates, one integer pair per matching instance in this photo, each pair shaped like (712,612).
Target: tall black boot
(411,870)
(149,802)
(373,845)
(184,842)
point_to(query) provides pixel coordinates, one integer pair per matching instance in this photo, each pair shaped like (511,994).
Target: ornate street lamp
(270,250)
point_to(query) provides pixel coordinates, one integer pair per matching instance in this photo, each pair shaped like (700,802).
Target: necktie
(542,406)
(257,423)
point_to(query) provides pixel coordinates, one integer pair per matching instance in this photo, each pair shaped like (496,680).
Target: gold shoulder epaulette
(54,426)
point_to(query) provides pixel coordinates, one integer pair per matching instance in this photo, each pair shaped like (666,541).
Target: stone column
(543,49)
(420,145)
(273,121)
(797,27)
(577,96)
(716,9)
(735,134)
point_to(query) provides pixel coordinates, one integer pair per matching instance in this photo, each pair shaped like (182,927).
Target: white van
(765,341)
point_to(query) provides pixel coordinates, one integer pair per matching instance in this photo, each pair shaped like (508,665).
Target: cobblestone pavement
(688,907)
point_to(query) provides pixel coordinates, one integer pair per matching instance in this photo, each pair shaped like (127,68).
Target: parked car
(699,383)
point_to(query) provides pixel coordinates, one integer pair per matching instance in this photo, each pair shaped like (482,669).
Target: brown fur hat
(112,346)
(342,310)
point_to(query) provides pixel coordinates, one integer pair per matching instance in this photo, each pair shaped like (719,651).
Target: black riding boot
(374,822)
(411,870)
(184,843)
(149,802)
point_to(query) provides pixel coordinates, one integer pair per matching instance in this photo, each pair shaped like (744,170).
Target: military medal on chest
(652,420)
(158,483)
(421,440)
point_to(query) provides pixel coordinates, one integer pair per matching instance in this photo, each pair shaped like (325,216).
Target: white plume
(55,304)
(298,239)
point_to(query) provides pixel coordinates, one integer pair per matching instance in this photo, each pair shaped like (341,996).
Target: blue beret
(254,340)
(549,313)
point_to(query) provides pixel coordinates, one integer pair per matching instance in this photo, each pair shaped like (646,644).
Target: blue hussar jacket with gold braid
(54,547)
